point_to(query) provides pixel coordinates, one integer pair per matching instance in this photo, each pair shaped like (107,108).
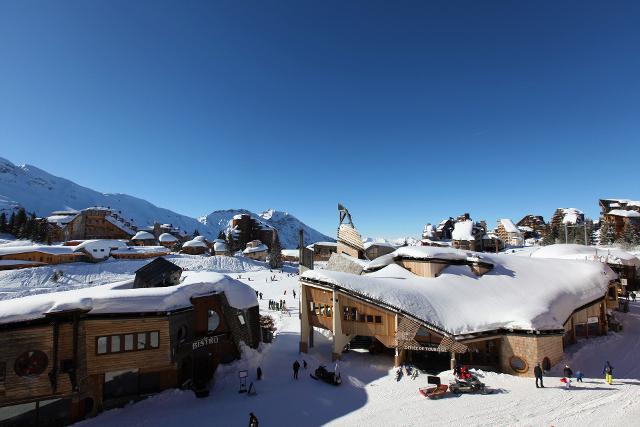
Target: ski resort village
(341,213)
(108,321)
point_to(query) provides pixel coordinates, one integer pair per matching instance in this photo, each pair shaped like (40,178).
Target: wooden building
(373,250)
(245,228)
(256,250)
(41,254)
(195,247)
(140,252)
(322,250)
(91,223)
(507,231)
(143,238)
(392,306)
(468,235)
(568,216)
(69,355)
(535,223)
(220,248)
(168,240)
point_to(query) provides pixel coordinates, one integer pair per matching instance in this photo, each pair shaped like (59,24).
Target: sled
(434,392)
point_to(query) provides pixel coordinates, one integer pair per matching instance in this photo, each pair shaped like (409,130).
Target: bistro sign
(203,342)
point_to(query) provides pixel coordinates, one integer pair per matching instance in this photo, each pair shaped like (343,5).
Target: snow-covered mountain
(286,224)
(40,192)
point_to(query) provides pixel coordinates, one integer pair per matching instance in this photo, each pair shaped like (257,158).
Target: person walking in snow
(253,420)
(296,368)
(259,373)
(608,373)
(633,296)
(579,376)
(568,373)
(304,364)
(261,295)
(537,372)
(294,294)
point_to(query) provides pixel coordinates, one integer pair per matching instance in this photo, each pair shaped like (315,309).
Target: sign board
(203,342)
(623,282)
(592,319)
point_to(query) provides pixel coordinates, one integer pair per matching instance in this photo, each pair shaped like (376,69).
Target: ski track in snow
(369,394)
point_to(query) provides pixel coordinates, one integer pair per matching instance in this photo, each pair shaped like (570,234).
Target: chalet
(40,254)
(536,224)
(467,235)
(158,273)
(256,250)
(507,231)
(492,243)
(143,238)
(444,229)
(195,247)
(429,232)
(168,240)
(91,223)
(99,249)
(66,356)
(415,305)
(619,219)
(245,228)
(322,250)
(220,247)
(607,205)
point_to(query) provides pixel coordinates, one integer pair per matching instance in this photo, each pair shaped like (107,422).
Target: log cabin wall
(17,342)
(149,358)
(360,318)
(427,269)
(44,257)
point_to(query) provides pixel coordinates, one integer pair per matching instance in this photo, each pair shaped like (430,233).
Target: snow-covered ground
(369,394)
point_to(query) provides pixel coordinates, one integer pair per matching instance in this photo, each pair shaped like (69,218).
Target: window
(369,318)
(154,339)
(378,319)
(31,363)
(102,345)
(115,344)
(361,318)
(518,364)
(328,311)
(128,342)
(354,314)
(213,320)
(345,315)
(142,341)
(241,319)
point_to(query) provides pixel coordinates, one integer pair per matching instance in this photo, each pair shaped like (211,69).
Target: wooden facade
(45,257)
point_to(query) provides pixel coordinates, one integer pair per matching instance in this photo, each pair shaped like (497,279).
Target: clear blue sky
(407,112)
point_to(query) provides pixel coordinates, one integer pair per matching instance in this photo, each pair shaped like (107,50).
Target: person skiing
(608,373)
(296,368)
(253,420)
(537,372)
(568,373)
(579,376)
(259,373)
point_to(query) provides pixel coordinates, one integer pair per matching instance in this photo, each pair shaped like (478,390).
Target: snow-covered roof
(509,226)
(167,238)
(368,244)
(518,293)
(463,230)
(99,248)
(121,297)
(140,250)
(295,253)
(61,219)
(259,248)
(10,262)
(591,253)
(121,225)
(200,238)
(571,215)
(220,246)
(624,213)
(51,250)
(194,244)
(143,235)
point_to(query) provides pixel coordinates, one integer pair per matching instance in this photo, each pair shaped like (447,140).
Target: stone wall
(531,349)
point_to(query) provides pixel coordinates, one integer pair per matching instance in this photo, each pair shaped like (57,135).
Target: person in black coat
(537,371)
(568,373)
(259,373)
(296,368)
(253,420)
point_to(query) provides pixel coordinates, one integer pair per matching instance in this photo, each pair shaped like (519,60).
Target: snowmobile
(321,374)
(467,383)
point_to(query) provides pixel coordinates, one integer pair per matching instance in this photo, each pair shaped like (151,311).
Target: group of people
(277,305)
(568,375)
(259,294)
(296,368)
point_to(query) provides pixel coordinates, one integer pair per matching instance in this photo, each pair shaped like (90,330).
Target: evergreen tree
(221,235)
(196,233)
(3,222)
(607,233)
(12,223)
(19,221)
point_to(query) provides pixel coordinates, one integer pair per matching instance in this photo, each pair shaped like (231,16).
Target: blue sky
(407,112)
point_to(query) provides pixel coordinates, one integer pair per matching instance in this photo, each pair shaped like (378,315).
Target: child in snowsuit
(608,373)
(579,376)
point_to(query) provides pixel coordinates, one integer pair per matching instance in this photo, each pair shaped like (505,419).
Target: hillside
(38,191)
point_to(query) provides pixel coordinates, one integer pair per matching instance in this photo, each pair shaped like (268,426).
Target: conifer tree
(3,222)
(275,254)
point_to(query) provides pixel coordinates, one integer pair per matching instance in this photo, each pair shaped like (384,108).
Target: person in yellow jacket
(608,373)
